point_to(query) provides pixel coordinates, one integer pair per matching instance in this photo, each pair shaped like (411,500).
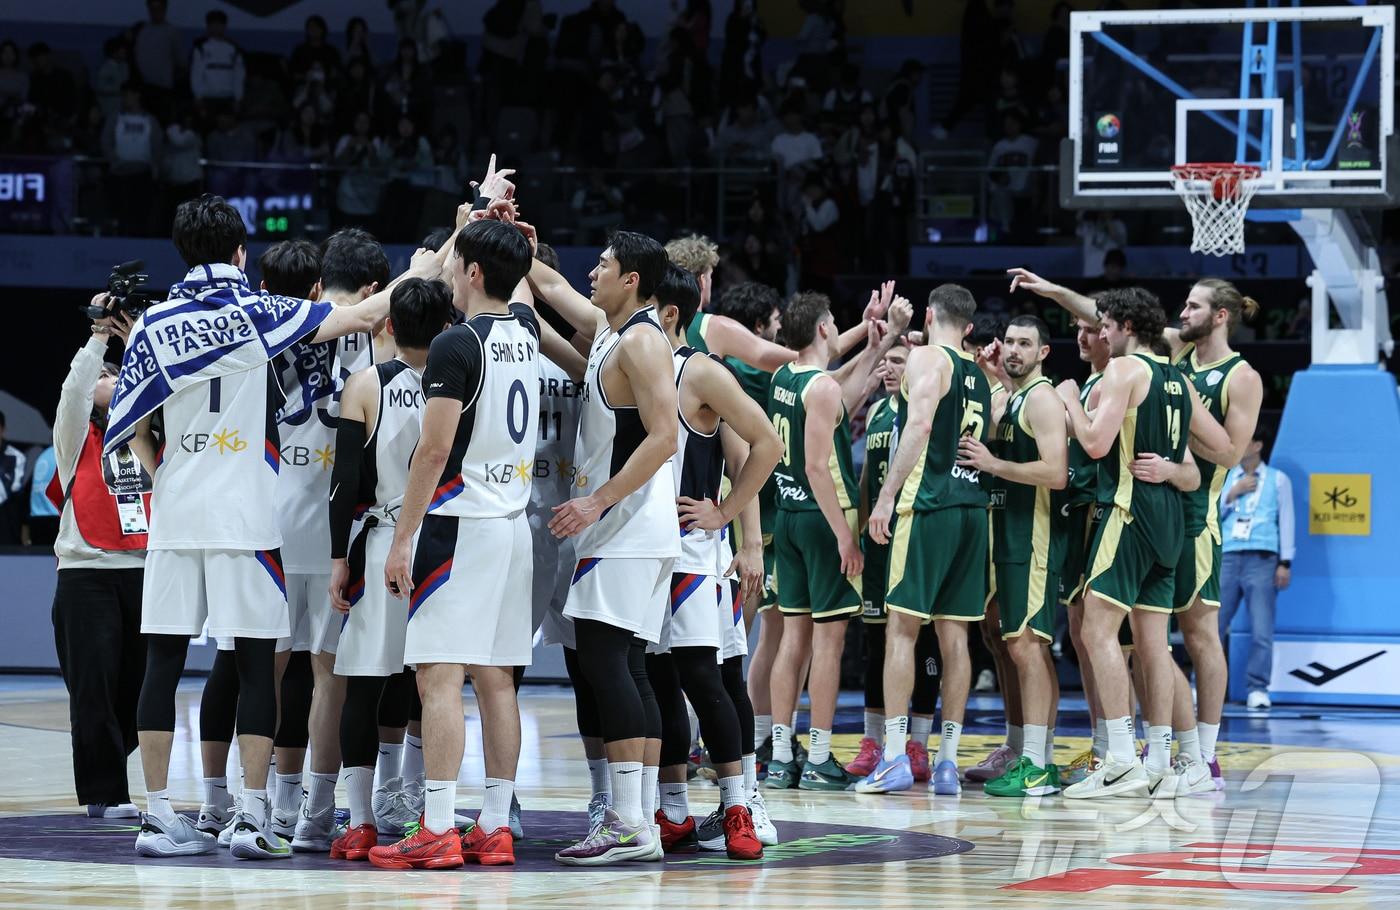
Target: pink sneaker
(869,757)
(993,766)
(918,760)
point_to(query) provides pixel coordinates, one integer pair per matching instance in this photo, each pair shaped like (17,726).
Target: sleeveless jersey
(490,363)
(936,481)
(1083,470)
(308,457)
(787,408)
(881,439)
(695,332)
(755,383)
(1158,425)
(643,523)
(561,400)
(1021,512)
(398,423)
(1212,381)
(699,470)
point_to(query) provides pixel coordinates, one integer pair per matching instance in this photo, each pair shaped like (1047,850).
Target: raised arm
(728,338)
(927,379)
(577,310)
(1077,304)
(370,312)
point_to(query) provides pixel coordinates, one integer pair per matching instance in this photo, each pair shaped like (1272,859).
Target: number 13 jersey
(490,363)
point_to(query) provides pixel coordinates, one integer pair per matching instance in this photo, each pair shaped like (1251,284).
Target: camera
(126,291)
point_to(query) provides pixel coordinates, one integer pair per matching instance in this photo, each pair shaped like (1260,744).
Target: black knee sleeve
(603,661)
(297,685)
(928,672)
(257,686)
(719,722)
(360,719)
(165,661)
(651,710)
(732,672)
(415,701)
(394,703)
(585,704)
(675,721)
(874,666)
(218,705)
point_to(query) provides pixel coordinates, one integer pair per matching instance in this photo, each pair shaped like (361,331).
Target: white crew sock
(1208,733)
(1159,755)
(412,768)
(255,806)
(216,793)
(762,728)
(1016,738)
(627,792)
(782,743)
(920,728)
(896,735)
(288,796)
(1100,746)
(731,791)
(1188,743)
(359,787)
(495,805)
(675,802)
(389,764)
(948,745)
(158,806)
(1120,740)
(439,805)
(874,726)
(818,746)
(320,793)
(1033,743)
(649,795)
(599,777)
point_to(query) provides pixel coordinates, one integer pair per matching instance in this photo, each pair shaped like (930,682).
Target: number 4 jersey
(490,363)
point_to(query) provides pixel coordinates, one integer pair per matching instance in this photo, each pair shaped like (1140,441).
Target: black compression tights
(732,672)
(585,704)
(605,661)
(253,659)
(218,706)
(359,720)
(927,672)
(692,673)
(396,704)
(297,684)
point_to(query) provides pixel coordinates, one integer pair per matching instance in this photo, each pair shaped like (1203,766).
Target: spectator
(51,89)
(132,145)
(1055,46)
(1100,231)
(597,207)
(795,146)
(1115,270)
(216,66)
(357,42)
(741,67)
(407,84)
(1008,100)
(1009,175)
(898,102)
(1051,119)
(14,82)
(503,40)
(358,91)
(1257,529)
(755,263)
(231,140)
(363,156)
(158,52)
(314,50)
(859,138)
(820,249)
(682,91)
(1011,48)
(313,92)
(891,217)
(12,464)
(847,98)
(112,74)
(977,62)
(818,39)
(696,18)
(181,167)
(746,133)
(42,527)
(302,141)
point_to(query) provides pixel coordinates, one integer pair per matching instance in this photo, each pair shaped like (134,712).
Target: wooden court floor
(1310,813)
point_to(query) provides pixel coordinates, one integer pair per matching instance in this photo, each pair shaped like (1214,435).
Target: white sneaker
(284,823)
(1162,784)
(394,813)
(763,825)
(517,831)
(314,832)
(383,794)
(413,794)
(1192,777)
(253,839)
(597,808)
(986,682)
(658,852)
(213,820)
(116,810)
(182,838)
(1113,778)
(1258,701)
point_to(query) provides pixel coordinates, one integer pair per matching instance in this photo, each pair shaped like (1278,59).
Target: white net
(1217,197)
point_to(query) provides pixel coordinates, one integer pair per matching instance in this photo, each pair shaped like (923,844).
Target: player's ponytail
(1225,296)
(1249,308)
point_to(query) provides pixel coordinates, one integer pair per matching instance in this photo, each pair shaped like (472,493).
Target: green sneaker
(782,775)
(1012,782)
(829,775)
(1046,787)
(799,754)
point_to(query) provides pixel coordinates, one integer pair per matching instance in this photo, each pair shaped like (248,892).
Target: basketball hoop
(1217,195)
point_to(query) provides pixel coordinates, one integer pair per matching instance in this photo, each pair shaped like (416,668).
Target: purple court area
(79,839)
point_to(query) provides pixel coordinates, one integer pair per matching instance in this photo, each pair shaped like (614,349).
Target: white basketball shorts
(372,634)
(733,637)
(625,593)
(242,593)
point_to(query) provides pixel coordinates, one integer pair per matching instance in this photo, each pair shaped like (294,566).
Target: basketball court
(1218,110)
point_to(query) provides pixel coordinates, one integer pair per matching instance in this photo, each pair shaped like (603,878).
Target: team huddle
(364,482)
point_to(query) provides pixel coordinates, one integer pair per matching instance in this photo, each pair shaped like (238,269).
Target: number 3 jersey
(490,363)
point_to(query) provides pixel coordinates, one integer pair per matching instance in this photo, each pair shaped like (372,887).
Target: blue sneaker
(945,779)
(888,777)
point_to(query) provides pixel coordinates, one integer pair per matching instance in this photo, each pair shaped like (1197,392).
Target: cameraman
(101,549)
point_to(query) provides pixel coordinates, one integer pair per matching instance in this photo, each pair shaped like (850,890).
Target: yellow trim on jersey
(1114,523)
(803,368)
(1225,385)
(874,409)
(991,564)
(956,618)
(1022,420)
(1197,366)
(843,495)
(1127,435)
(899,555)
(1204,561)
(1089,591)
(910,491)
(1217,482)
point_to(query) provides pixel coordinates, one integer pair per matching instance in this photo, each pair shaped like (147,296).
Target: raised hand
(495,185)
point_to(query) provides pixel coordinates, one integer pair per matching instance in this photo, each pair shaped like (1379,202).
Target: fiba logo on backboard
(1356,155)
(1109,131)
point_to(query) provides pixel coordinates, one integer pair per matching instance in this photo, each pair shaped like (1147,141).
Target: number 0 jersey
(1158,425)
(490,363)
(936,481)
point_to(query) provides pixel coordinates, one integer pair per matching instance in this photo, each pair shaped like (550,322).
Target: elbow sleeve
(350,440)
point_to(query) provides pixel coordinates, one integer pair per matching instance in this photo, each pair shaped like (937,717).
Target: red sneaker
(740,841)
(355,843)
(421,849)
(869,757)
(494,849)
(677,838)
(918,760)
